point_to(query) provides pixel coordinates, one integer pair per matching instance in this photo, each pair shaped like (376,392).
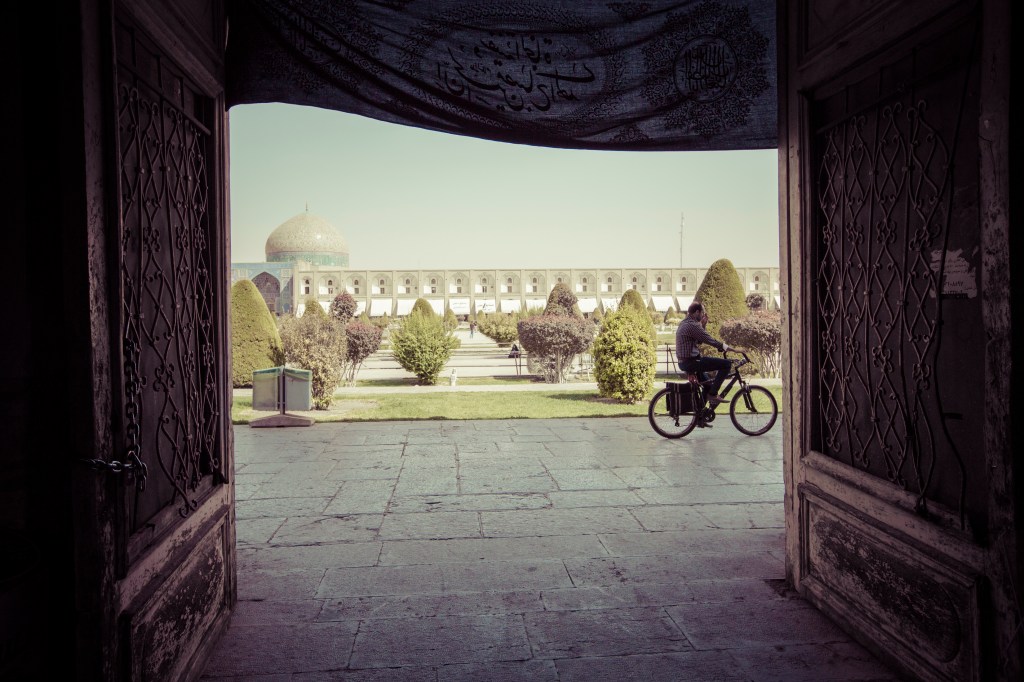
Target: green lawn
(463,405)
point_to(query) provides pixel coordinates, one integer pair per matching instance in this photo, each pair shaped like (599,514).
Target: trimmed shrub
(422,346)
(760,334)
(362,341)
(561,301)
(632,298)
(317,343)
(314,308)
(597,316)
(382,322)
(364,318)
(343,307)
(755,302)
(255,341)
(556,340)
(625,357)
(722,295)
(451,321)
(423,306)
(499,327)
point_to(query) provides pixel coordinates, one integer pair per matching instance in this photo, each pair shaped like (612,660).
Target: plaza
(518,550)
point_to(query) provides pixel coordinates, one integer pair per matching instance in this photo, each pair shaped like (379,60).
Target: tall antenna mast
(682,221)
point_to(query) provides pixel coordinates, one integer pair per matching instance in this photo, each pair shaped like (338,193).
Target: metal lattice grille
(170,349)
(885,198)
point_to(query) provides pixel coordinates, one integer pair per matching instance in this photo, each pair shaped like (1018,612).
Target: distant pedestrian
(472,328)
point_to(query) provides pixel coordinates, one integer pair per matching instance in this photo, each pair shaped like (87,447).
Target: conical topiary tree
(722,295)
(255,341)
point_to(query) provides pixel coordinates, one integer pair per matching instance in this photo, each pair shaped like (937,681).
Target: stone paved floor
(571,550)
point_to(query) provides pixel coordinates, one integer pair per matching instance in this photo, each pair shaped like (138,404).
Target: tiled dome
(307,237)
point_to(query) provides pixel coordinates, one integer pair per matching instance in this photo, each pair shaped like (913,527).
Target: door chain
(132,467)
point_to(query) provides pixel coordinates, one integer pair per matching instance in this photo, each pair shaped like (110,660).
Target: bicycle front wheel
(662,420)
(753,410)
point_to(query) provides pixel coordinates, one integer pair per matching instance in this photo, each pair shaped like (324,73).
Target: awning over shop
(485,305)
(610,304)
(405,306)
(511,305)
(437,304)
(360,307)
(459,306)
(299,309)
(662,303)
(684,302)
(536,303)
(380,307)
(778,302)
(588,305)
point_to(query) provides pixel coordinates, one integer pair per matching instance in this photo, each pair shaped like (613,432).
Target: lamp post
(682,222)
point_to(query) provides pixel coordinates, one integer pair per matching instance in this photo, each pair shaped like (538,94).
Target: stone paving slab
(550,550)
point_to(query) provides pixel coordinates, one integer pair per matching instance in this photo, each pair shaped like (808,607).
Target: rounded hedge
(255,341)
(625,356)
(422,346)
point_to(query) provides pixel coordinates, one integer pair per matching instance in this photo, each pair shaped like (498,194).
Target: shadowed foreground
(518,550)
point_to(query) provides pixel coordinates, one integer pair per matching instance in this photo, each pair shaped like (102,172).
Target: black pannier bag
(680,398)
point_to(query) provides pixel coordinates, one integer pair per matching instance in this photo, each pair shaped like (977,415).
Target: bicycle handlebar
(725,353)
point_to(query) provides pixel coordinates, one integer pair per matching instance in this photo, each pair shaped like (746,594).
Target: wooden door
(155,539)
(899,471)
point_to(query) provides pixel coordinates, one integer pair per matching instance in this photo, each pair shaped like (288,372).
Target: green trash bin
(266,389)
(298,391)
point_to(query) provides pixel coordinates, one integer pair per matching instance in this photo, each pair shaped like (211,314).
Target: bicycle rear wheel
(753,410)
(662,420)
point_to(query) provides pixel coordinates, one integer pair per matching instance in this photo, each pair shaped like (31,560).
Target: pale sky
(407,198)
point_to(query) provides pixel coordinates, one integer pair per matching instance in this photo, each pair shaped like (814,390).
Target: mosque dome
(307,237)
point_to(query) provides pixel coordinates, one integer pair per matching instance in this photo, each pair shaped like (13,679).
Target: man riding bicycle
(690,334)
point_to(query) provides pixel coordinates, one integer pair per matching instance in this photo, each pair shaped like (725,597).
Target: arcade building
(308,257)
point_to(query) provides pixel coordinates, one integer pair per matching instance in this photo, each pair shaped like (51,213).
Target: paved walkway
(570,550)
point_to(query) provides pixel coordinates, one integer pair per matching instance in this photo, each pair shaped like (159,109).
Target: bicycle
(680,407)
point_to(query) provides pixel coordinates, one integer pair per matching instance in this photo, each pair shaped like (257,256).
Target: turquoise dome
(307,237)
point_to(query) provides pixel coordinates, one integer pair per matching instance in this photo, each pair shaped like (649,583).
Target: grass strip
(464,405)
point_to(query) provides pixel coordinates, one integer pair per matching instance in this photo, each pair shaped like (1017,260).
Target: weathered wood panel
(186,609)
(894,590)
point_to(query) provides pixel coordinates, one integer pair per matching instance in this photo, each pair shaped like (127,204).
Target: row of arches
(385,284)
